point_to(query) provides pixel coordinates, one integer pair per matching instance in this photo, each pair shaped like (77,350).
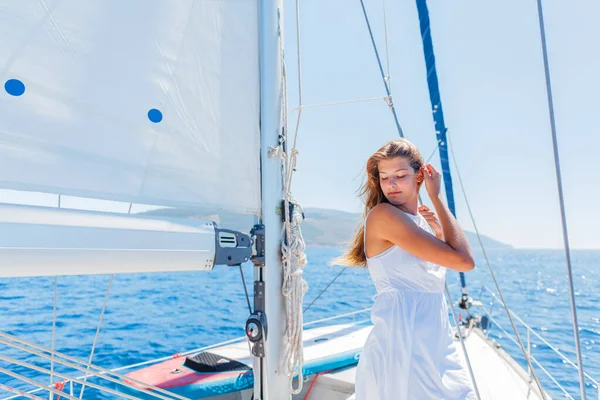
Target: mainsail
(147,105)
(130,102)
(174,104)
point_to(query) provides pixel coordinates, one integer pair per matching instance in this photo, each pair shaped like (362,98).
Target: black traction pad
(207,362)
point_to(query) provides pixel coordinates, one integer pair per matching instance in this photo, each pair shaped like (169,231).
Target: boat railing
(530,331)
(67,385)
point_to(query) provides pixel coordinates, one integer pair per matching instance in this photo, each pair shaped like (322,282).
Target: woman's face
(398,180)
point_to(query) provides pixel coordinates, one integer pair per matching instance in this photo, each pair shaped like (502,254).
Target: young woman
(410,353)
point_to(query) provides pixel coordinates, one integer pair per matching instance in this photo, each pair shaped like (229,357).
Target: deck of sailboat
(497,375)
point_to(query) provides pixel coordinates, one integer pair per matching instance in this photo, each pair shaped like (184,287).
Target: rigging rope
(53,330)
(18,392)
(67,378)
(245,289)
(385,81)
(462,341)
(97,333)
(387,54)
(545,342)
(508,335)
(248,302)
(97,371)
(335,103)
(563,216)
(155,361)
(35,383)
(298,52)
(438,118)
(489,264)
(293,246)
(324,290)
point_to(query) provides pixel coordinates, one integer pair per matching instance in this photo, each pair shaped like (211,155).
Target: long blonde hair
(372,194)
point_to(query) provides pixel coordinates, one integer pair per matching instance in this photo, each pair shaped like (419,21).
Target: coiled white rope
(293,260)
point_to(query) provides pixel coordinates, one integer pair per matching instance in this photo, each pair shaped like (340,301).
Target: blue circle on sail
(155,115)
(14,87)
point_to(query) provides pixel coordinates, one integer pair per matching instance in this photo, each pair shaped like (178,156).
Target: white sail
(38,241)
(131,101)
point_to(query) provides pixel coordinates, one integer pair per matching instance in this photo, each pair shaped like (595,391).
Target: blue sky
(493,91)
(491,74)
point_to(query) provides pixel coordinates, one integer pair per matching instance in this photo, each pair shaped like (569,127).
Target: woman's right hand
(433,181)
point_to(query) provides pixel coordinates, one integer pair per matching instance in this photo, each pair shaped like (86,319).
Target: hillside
(322,227)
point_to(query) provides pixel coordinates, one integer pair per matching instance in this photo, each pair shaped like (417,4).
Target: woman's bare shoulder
(382,208)
(384,213)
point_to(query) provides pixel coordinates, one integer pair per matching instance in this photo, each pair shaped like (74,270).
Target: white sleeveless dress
(410,353)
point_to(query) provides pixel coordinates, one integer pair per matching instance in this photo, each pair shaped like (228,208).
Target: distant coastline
(321,228)
(334,228)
